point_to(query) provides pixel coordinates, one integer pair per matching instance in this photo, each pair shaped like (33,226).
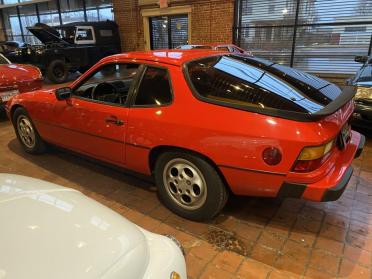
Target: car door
(149,115)
(94,120)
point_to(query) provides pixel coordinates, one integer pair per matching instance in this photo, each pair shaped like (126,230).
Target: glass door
(168,31)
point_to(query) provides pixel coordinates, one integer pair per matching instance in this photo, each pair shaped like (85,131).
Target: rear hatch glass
(262,86)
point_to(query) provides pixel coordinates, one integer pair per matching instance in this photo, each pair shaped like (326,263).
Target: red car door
(94,120)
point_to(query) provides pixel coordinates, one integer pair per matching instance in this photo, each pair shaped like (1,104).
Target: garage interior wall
(211,20)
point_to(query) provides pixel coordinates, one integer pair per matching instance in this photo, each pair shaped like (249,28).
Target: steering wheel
(102,90)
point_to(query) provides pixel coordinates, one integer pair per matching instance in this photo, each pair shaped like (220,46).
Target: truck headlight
(364,93)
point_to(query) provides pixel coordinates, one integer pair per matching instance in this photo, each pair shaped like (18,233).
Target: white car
(48,231)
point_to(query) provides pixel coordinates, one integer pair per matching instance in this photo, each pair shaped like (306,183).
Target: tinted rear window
(230,80)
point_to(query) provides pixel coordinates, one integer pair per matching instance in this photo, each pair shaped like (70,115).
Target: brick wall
(211,21)
(2,31)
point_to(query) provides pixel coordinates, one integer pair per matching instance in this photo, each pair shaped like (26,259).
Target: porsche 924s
(203,123)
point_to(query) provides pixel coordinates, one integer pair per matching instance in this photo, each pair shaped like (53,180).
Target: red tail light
(312,158)
(310,165)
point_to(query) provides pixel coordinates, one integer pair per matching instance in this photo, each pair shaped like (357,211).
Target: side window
(110,83)
(84,35)
(154,89)
(106,33)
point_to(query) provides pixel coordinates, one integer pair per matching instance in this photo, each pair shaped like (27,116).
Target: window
(110,84)
(168,31)
(356,29)
(232,81)
(154,89)
(365,74)
(272,8)
(106,33)
(53,13)
(84,34)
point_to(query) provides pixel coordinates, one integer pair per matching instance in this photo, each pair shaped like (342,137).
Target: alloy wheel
(26,131)
(185,184)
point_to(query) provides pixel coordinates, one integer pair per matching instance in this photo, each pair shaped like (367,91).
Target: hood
(46,34)
(14,74)
(55,232)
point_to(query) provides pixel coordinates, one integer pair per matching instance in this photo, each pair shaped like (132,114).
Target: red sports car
(16,79)
(203,124)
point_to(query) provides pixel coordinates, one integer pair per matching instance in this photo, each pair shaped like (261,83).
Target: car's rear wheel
(189,185)
(57,71)
(27,133)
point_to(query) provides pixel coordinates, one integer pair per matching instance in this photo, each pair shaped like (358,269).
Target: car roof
(175,57)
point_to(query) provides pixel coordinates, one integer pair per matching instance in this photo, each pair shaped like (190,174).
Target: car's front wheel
(189,185)
(27,133)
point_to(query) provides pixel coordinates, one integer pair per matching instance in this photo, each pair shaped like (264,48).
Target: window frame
(132,88)
(85,42)
(135,91)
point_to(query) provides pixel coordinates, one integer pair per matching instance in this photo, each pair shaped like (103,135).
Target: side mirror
(361,59)
(63,93)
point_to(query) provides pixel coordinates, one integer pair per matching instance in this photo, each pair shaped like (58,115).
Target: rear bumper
(331,187)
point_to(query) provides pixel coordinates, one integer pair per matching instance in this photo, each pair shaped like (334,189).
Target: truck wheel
(189,185)
(57,71)
(26,132)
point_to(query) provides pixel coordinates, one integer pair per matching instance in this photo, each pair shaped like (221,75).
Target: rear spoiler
(347,94)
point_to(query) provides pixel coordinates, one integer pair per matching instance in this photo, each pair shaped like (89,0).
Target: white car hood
(48,231)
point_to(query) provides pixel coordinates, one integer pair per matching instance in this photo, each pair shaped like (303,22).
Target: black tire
(216,193)
(57,71)
(39,145)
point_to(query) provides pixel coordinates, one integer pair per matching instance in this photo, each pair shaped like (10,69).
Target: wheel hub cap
(26,132)
(185,183)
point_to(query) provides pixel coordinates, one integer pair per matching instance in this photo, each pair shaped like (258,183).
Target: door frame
(147,13)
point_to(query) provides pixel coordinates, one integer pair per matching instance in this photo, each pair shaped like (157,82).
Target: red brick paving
(281,238)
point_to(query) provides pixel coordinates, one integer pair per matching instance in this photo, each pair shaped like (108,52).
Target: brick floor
(266,238)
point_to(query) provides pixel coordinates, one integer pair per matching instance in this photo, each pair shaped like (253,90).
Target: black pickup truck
(68,48)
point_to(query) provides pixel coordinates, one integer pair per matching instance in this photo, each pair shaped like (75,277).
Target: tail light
(313,157)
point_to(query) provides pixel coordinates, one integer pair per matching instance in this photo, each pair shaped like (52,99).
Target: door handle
(114,120)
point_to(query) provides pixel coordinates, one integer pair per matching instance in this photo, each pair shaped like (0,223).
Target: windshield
(233,81)
(364,77)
